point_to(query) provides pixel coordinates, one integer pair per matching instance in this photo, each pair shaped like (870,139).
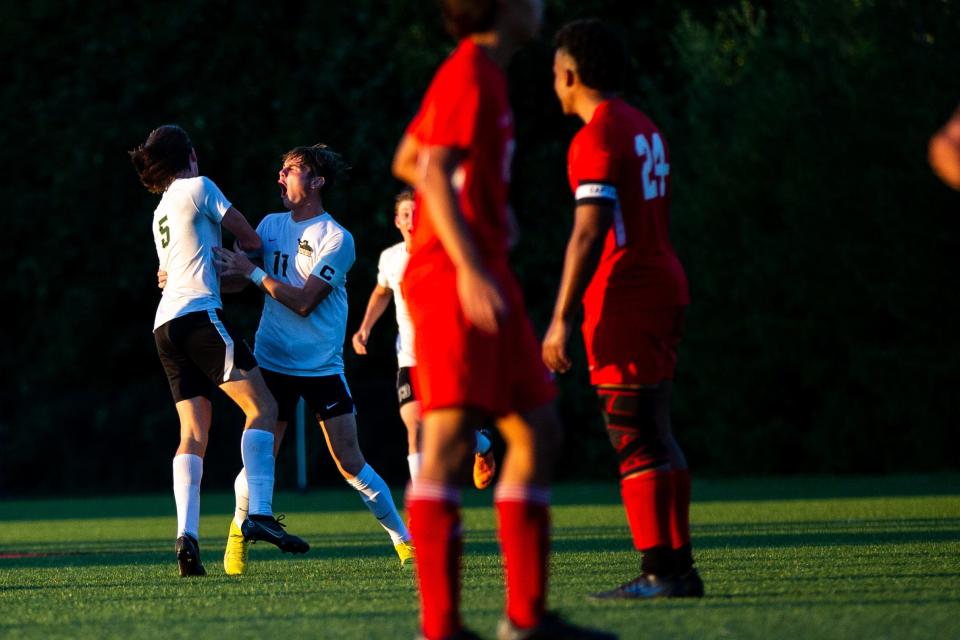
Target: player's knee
(631,419)
(262,412)
(351,464)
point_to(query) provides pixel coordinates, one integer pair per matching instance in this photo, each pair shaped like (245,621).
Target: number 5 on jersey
(655,168)
(164,231)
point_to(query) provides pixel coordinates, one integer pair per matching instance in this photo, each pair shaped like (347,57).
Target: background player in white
(299,341)
(196,346)
(393,261)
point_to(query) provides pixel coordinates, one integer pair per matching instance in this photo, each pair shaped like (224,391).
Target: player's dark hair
(465,17)
(165,154)
(598,52)
(321,160)
(403,196)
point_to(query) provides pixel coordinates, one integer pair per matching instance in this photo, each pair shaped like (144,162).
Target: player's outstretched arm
(591,222)
(234,222)
(378,303)
(302,300)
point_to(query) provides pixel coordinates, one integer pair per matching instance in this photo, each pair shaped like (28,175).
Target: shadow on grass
(568,494)
(587,539)
(825,533)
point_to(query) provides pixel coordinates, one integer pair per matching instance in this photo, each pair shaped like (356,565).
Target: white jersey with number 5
(390,274)
(186,228)
(292,252)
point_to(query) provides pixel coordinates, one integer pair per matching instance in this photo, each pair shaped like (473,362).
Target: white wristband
(257,276)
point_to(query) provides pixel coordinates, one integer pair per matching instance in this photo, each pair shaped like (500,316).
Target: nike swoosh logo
(275,535)
(331,406)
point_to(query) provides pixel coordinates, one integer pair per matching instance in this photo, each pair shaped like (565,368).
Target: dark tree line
(820,249)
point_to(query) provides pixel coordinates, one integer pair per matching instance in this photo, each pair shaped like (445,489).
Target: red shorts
(633,347)
(463,367)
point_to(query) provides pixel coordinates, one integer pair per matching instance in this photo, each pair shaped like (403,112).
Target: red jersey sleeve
(592,168)
(449,113)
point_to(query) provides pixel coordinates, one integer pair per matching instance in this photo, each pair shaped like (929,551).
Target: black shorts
(199,350)
(327,396)
(405,386)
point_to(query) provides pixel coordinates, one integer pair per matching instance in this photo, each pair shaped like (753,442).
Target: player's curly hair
(598,52)
(158,160)
(465,17)
(321,160)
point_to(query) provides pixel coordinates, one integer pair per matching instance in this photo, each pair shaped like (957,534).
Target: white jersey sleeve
(335,258)
(211,201)
(383,267)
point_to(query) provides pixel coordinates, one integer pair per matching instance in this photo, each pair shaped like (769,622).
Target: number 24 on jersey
(655,167)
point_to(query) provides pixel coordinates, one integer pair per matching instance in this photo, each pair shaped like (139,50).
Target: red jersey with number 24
(620,159)
(467,108)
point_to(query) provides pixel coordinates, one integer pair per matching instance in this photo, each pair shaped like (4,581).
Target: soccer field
(781,558)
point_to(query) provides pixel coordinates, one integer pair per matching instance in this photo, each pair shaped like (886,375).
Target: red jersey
(619,158)
(467,108)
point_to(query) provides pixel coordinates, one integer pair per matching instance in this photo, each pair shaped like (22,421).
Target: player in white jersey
(197,347)
(393,261)
(300,339)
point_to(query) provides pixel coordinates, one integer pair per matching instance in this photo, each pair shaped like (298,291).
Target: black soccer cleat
(692,585)
(551,626)
(646,586)
(188,557)
(270,529)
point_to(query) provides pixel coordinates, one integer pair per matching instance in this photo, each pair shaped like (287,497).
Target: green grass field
(819,557)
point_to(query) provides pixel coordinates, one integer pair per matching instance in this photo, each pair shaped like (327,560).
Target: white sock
(256,448)
(240,491)
(483,444)
(376,495)
(413,461)
(187,472)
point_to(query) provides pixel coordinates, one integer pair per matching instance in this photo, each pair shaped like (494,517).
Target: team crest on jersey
(304,248)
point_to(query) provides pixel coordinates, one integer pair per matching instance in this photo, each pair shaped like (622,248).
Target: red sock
(434,511)
(680,513)
(648,500)
(524,515)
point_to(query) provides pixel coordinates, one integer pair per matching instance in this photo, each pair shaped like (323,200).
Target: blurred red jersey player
(478,357)
(620,262)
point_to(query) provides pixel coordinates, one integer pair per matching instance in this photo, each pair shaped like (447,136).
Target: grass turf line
(781,557)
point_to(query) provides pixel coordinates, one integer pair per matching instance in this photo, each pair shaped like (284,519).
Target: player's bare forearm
(581,257)
(300,300)
(379,300)
(436,187)
(236,223)
(378,303)
(404,165)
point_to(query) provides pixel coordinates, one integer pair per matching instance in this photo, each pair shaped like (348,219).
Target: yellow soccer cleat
(235,556)
(406,552)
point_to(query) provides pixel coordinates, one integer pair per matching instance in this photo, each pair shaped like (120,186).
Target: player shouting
(620,262)
(299,342)
(197,347)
